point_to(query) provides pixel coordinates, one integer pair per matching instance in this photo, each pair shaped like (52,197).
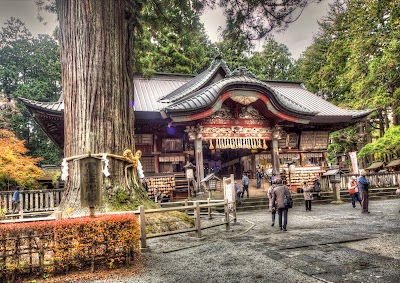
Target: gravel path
(332,243)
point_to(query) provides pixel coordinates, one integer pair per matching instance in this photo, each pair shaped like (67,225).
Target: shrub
(62,245)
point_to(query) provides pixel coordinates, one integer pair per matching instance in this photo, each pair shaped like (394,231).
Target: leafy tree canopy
(389,144)
(15,165)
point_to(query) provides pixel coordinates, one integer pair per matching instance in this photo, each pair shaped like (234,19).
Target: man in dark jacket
(279,193)
(363,186)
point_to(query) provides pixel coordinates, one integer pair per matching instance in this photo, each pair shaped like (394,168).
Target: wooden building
(224,122)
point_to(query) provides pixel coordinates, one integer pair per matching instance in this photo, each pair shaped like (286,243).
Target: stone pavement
(332,243)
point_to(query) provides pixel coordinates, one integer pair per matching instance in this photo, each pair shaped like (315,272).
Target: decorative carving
(194,132)
(250,113)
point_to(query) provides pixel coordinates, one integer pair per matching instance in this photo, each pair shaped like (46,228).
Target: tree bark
(96,39)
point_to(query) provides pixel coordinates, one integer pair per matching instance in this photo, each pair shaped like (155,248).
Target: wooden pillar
(275,153)
(156,160)
(156,164)
(253,165)
(198,151)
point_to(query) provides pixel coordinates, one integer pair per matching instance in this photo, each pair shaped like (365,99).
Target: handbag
(398,191)
(287,201)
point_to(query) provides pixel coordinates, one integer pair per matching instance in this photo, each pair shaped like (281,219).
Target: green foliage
(354,61)
(171,40)
(274,62)
(389,145)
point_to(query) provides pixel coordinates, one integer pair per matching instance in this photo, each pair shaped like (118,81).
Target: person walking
(245,183)
(15,200)
(363,186)
(259,176)
(238,192)
(271,206)
(279,193)
(353,191)
(307,196)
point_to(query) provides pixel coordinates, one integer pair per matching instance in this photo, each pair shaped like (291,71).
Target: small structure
(189,167)
(210,182)
(393,165)
(333,177)
(375,166)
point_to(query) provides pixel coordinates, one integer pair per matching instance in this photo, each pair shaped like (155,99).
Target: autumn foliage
(53,247)
(15,165)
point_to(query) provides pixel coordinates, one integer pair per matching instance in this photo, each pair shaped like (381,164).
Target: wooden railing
(32,200)
(377,180)
(196,211)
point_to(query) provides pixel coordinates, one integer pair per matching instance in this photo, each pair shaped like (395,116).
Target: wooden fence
(196,206)
(32,200)
(377,180)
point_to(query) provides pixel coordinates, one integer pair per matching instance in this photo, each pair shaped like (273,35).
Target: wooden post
(226,210)
(197,219)
(209,209)
(142,223)
(233,197)
(186,204)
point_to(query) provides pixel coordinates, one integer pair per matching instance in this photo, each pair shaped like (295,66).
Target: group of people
(357,187)
(279,191)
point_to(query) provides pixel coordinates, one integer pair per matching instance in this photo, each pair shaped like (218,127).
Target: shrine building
(224,122)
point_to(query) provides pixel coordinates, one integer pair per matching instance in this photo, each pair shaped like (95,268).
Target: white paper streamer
(140,170)
(64,170)
(106,161)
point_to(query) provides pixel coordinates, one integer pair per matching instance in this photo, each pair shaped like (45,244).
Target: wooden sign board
(90,182)
(314,140)
(288,140)
(189,173)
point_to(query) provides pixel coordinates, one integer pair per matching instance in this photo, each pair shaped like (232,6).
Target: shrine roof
(148,91)
(205,96)
(218,68)
(55,107)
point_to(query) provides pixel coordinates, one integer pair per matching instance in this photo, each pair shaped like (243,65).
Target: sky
(297,37)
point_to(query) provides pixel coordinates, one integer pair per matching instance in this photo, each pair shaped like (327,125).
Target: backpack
(287,201)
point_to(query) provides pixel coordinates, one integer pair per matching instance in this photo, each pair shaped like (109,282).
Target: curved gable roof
(217,67)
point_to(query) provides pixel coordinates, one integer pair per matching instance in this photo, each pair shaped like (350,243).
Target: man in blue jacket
(245,183)
(363,186)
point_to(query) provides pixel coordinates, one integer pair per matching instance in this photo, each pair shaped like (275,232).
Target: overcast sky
(297,37)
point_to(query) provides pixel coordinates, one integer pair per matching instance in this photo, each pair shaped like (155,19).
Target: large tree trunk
(96,39)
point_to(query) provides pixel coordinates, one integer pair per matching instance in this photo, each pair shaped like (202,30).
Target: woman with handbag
(307,196)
